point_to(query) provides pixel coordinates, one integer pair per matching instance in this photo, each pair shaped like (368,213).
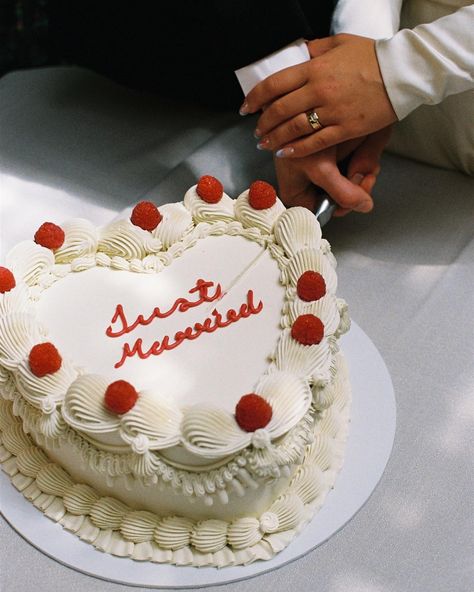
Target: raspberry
(311,286)
(44,359)
(252,412)
(120,397)
(7,280)
(261,195)
(50,236)
(209,189)
(146,215)
(307,329)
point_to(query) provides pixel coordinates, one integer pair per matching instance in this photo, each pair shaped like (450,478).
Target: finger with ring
(313,120)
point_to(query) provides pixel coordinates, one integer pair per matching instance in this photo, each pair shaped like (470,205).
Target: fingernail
(263,144)
(244,109)
(363,206)
(283,152)
(257,133)
(357,178)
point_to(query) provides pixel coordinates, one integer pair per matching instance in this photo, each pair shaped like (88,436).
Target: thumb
(317,47)
(346,194)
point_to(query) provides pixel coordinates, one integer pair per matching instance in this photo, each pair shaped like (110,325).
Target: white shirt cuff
(367,18)
(249,76)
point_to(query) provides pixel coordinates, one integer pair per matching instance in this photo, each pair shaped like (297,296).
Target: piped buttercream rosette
(203,210)
(146,242)
(176,223)
(296,412)
(81,239)
(84,408)
(121,238)
(258,207)
(212,432)
(154,417)
(29,261)
(154,423)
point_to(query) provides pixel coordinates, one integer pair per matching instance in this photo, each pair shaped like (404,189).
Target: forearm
(430,62)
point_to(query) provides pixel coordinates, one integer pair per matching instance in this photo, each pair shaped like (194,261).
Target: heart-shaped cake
(187,356)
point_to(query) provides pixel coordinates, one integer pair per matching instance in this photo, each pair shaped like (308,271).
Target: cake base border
(368,448)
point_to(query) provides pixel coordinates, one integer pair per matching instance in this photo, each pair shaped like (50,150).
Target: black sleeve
(182,48)
(252,30)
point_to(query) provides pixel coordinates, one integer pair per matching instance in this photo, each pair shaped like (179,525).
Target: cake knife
(325,210)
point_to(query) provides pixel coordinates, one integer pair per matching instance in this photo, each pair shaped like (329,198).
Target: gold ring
(313,120)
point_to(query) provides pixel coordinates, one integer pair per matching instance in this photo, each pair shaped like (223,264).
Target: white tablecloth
(72,143)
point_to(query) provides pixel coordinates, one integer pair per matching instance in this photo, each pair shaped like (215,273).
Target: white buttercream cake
(171,384)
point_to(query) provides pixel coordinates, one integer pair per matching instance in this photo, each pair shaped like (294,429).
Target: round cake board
(369,445)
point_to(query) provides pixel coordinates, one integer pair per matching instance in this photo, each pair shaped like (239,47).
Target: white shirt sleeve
(376,19)
(249,76)
(361,17)
(425,64)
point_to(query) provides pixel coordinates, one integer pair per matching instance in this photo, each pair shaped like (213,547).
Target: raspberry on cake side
(171,385)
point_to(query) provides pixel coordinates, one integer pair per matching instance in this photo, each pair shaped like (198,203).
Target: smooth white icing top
(78,309)
(187,395)
(185,409)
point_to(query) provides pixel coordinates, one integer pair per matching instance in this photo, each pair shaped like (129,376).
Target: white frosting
(251,218)
(139,526)
(209,536)
(80,498)
(244,533)
(325,308)
(212,432)
(28,261)
(53,479)
(18,334)
(289,511)
(114,527)
(312,259)
(345,322)
(155,418)
(108,512)
(269,522)
(81,238)
(16,300)
(289,397)
(123,239)
(297,229)
(100,290)
(176,223)
(162,418)
(84,407)
(37,390)
(305,361)
(205,212)
(173,532)
(31,460)
(308,483)
(180,442)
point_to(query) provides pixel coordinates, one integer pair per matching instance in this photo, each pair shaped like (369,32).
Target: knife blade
(325,210)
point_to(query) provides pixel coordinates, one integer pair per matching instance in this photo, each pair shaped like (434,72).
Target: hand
(342,82)
(298,178)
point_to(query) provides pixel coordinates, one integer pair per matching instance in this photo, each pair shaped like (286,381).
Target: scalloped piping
(114,528)
(155,261)
(236,473)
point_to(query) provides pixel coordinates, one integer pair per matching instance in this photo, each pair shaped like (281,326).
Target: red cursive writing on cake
(209,325)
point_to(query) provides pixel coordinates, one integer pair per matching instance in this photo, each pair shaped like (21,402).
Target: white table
(72,143)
